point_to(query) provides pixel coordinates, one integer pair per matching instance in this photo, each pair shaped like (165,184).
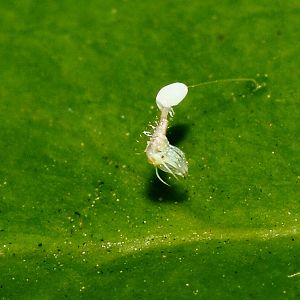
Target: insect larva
(159,151)
(161,154)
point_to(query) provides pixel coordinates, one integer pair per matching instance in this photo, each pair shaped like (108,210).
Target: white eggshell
(171,95)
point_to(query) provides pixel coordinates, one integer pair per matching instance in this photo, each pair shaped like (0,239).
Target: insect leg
(169,170)
(156,171)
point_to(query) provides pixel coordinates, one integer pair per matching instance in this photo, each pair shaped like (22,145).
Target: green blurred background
(82,214)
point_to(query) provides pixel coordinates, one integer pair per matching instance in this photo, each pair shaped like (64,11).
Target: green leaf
(82,214)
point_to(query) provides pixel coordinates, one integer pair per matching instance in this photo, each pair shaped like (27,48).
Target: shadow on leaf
(159,192)
(177,133)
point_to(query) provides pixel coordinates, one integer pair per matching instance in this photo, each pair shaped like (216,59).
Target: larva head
(171,95)
(174,162)
(170,159)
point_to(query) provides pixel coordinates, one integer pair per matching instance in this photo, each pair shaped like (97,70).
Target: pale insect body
(161,154)
(159,151)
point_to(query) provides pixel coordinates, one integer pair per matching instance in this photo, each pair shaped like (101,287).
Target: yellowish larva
(161,154)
